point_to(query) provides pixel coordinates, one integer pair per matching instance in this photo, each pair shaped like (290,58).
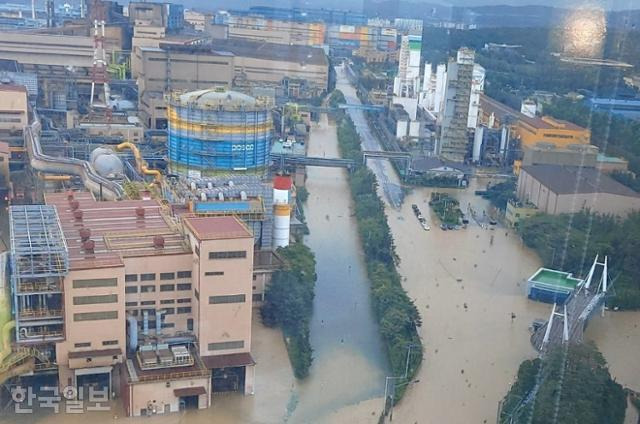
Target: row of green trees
(396,313)
(570,242)
(289,304)
(574,387)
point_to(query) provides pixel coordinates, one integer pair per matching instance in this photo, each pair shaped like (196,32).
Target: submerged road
(388,180)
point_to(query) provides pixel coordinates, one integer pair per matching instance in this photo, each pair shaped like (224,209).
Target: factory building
(556,189)
(550,130)
(157,308)
(276,31)
(216,130)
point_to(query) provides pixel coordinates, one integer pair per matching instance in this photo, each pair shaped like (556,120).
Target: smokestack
(33,9)
(89,246)
(75,205)
(85,234)
(158,242)
(77,215)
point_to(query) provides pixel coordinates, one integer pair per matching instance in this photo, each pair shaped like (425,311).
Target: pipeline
(140,163)
(7,330)
(44,163)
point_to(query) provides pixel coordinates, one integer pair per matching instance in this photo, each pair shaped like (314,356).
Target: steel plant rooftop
(116,228)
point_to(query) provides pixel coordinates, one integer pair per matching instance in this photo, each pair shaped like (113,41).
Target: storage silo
(217,131)
(281,222)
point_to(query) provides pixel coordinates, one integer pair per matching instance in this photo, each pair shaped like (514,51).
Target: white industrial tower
(99,74)
(406,85)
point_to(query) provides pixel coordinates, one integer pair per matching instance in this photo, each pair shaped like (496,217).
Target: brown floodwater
(466,284)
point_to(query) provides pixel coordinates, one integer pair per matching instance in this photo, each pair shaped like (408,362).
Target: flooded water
(466,284)
(349,364)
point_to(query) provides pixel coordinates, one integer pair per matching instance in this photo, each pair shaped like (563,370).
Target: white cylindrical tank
(281,222)
(99,151)
(477,143)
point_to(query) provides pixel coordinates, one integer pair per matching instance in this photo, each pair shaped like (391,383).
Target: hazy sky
(357,4)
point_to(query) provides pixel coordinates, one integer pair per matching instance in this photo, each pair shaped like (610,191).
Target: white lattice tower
(99,74)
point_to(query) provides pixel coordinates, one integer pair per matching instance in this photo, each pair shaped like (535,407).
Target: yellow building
(532,131)
(13,107)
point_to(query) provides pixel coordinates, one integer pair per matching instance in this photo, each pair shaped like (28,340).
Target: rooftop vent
(77,214)
(70,196)
(85,233)
(140,212)
(89,246)
(158,242)
(75,205)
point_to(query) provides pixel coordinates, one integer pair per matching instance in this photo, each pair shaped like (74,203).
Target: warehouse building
(555,189)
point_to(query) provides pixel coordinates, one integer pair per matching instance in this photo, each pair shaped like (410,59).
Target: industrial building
(272,30)
(454,140)
(13,107)
(531,131)
(217,130)
(141,317)
(556,189)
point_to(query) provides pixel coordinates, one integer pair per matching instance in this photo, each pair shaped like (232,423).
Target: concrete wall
(160,395)
(60,50)
(237,280)
(153,300)
(188,71)
(13,109)
(273,71)
(94,332)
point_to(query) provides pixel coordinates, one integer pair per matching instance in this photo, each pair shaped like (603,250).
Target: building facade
(156,308)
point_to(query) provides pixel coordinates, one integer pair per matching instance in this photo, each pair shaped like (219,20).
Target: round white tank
(99,151)
(108,165)
(281,222)
(280,196)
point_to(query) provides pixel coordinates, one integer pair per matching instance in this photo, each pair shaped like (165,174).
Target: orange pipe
(140,163)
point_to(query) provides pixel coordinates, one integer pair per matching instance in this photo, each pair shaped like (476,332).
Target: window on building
(148,277)
(232,254)
(95,282)
(184,310)
(109,343)
(167,276)
(131,289)
(184,274)
(212,273)
(130,304)
(190,324)
(184,300)
(147,302)
(168,325)
(83,344)
(151,312)
(236,344)
(230,298)
(130,278)
(257,297)
(167,287)
(185,286)
(167,301)
(92,300)
(147,289)
(169,311)
(95,316)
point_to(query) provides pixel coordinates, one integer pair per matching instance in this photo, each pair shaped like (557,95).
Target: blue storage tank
(217,131)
